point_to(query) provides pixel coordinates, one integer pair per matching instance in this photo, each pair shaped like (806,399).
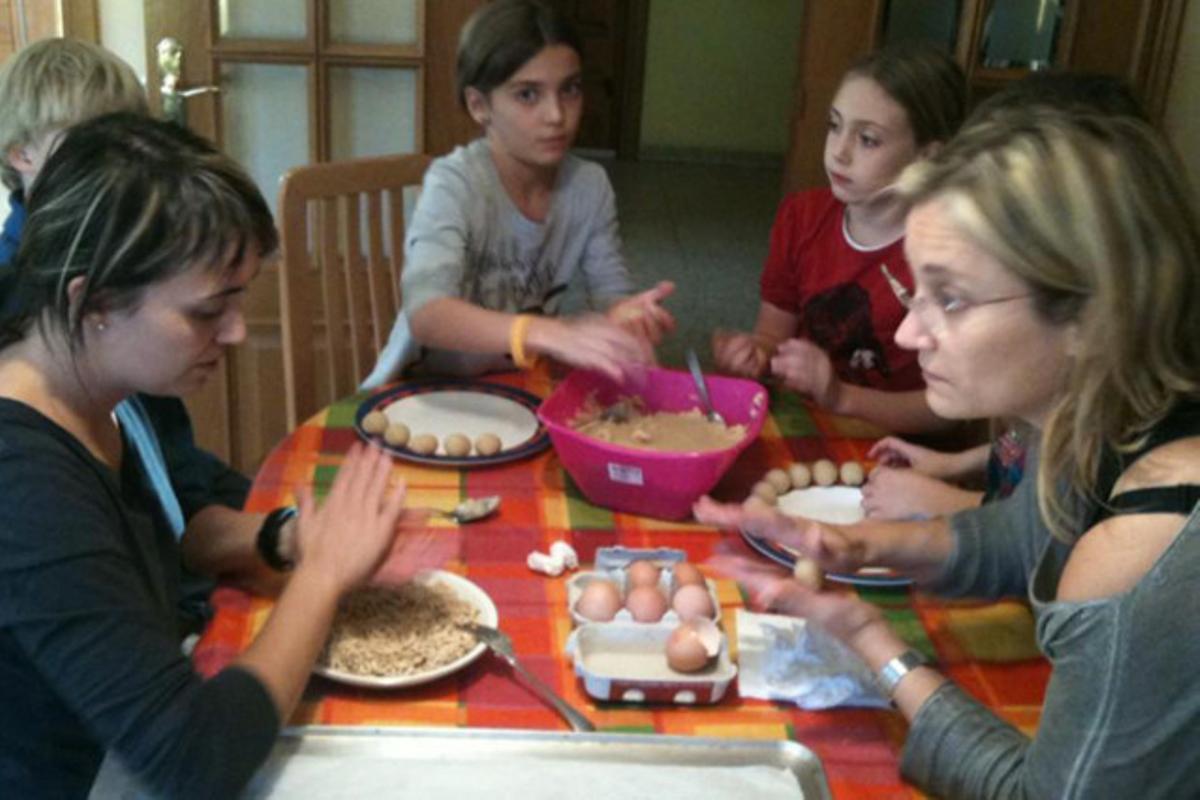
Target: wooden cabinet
(995,41)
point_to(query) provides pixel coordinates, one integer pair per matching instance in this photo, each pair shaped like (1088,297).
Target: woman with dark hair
(139,245)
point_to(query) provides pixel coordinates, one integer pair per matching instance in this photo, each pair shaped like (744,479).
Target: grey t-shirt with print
(468,240)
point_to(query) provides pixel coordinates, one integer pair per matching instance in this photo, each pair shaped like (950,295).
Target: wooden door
(301,81)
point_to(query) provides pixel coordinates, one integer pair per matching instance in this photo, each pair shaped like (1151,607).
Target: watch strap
(891,673)
(267,542)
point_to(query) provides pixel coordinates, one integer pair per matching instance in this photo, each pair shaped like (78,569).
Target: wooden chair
(342,231)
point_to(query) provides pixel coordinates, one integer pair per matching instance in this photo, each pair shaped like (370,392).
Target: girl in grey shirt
(504,224)
(1056,273)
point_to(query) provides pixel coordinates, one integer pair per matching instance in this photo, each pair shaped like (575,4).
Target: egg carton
(627,662)
(579,581)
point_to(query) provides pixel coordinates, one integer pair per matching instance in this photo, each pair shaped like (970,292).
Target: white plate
(465,590)
(838,505)
(453,405)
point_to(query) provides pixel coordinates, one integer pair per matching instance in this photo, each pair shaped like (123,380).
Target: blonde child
(827,314)
(504,224)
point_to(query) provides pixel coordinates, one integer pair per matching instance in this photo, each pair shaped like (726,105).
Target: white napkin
(783,658)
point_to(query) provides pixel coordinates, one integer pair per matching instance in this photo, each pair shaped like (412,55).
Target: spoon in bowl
(693,363)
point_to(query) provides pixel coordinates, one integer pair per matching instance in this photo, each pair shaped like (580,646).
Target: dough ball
(488,444)
(375,423)
(755,503)
(808,574)
(780,480)
(852,473)
(825,472)
(457,445)
(765,492)
(423,445)
(800,475)
(396,434)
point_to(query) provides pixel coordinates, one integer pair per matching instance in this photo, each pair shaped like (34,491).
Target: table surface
(987,648)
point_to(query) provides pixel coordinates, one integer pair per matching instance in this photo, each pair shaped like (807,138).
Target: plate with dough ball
(837,505)
(453,422)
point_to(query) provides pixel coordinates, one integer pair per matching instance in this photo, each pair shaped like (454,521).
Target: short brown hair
(501,36)
(925,82)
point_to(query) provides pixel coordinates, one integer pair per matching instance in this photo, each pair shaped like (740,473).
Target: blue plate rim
(535,444)
(779,555)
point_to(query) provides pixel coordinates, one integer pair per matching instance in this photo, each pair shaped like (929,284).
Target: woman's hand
(835,549)
(591,342)
(741,354)
(643,315)
(904,493)
(805,368)
(770,588)
(348,537)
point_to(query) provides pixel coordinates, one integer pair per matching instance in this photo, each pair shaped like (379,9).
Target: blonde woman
(1057,267)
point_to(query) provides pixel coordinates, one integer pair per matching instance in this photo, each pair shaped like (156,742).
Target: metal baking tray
(354,761)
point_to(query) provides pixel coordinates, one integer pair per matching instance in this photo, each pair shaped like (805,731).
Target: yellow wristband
(516,341)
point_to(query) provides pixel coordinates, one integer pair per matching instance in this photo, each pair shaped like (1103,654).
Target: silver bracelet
(891,673)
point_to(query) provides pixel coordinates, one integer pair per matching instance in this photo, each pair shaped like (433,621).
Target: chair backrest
(342,226)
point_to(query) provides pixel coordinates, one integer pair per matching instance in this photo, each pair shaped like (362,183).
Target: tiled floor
(704,227)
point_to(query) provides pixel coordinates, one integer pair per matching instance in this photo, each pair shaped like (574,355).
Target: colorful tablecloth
(986,648)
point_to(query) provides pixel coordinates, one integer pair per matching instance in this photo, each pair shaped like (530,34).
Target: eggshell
(692,645)
(599,601)
(825,472)
(646,603)
(375,423)
(641,573)
(851,473)
(396,434)
(800,475)
(779,480)
(686,574)
(457,445)
(487,444)
(692,601)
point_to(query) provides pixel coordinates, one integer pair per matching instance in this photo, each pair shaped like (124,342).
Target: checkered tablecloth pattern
(987,648)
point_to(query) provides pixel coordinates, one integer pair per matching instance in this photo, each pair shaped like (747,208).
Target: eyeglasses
(934,313)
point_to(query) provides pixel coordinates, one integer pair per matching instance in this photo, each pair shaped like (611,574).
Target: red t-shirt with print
(837,289)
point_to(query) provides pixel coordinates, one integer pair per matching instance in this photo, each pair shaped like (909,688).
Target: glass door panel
(390,22)
(1021,34)
(372,111)
(262,19)
(932,21)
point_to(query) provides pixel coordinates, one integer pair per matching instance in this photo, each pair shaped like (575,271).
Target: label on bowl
(623,473)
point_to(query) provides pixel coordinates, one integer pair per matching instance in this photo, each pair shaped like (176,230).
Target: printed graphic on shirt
(839,321)
(512,284)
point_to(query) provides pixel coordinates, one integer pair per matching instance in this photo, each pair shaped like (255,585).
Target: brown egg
(599,601)
(646,603)
(396,434)
(692,601)
(641,573)
(692,645)
(375,423)
(425,444)
(487,444)
(686,574)
(456,445)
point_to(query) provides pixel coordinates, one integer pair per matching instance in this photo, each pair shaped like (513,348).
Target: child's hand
(892,493)
(739,354)
(593,342)
(805,368)
(643,315)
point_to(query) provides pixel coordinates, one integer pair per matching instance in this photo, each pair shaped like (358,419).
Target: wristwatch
(267,541)
(891,673)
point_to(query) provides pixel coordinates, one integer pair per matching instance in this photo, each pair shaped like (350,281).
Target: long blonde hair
(1094,214)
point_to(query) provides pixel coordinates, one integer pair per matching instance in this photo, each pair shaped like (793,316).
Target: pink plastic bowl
(646,482)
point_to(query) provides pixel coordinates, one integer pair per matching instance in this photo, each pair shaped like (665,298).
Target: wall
(1182,118)
(719,78)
